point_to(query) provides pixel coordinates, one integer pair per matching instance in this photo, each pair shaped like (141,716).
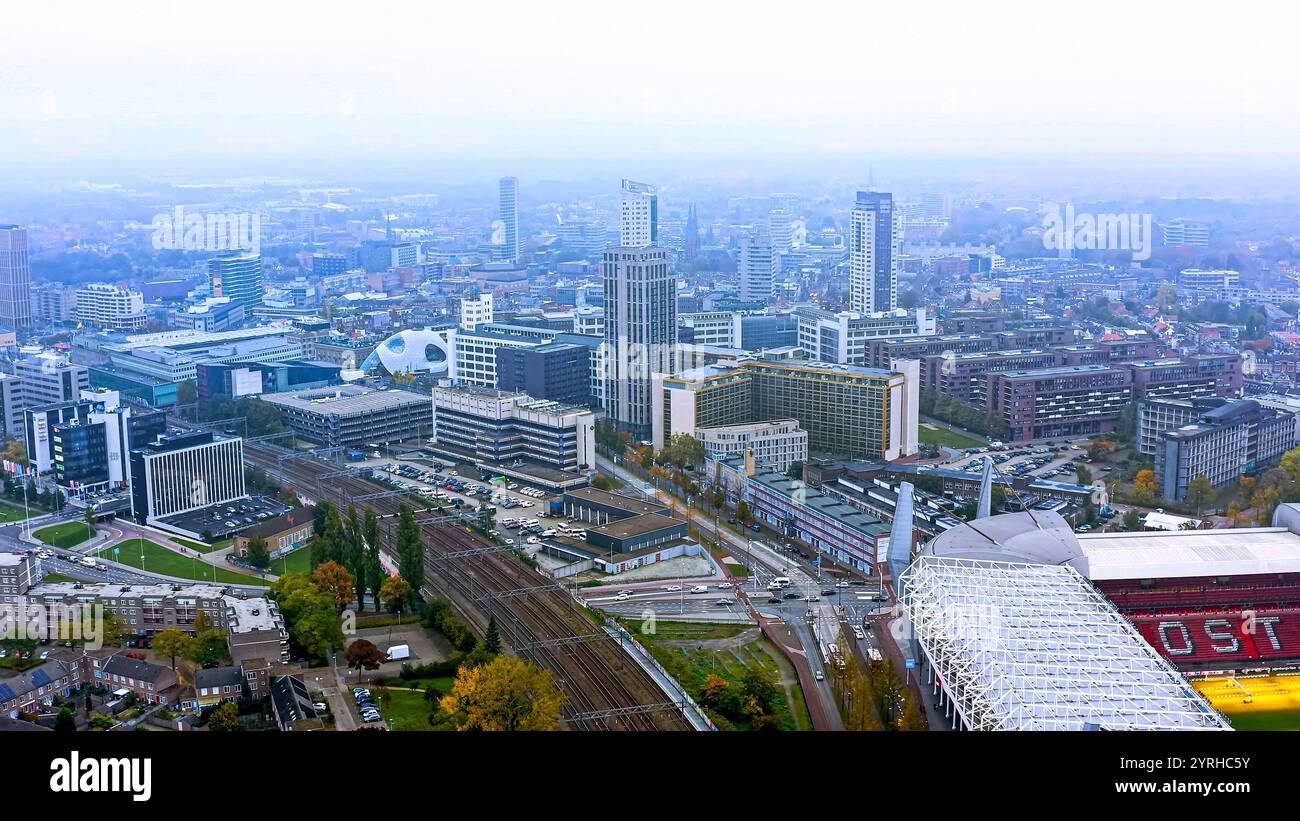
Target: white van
(779,583)
(700,588)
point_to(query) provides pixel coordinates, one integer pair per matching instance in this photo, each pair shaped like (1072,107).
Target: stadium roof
(1174,554)
(1034,647)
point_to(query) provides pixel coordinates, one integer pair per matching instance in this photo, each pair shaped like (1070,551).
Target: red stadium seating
(1201,622)
(1225,638)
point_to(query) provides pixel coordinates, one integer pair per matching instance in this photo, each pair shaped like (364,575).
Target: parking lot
(1055,462)
(460,488)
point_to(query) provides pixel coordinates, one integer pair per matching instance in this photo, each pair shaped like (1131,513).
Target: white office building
(109,307)
(475,311)
(845,337)
(776,444)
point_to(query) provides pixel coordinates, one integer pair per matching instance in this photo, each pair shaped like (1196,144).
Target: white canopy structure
(1021,645)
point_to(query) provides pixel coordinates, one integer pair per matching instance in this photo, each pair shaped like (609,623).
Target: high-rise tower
(15,279)
(874,239)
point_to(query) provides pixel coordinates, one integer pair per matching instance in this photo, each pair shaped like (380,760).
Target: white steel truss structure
(1020,646)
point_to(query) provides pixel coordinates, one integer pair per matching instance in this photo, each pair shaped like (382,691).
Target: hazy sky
(490,84)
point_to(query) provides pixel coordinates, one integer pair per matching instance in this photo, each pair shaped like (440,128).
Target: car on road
(811,597)
(841,584)
(622,596)
(725,602)
(773,600)
(673,588)
(700,588)
(790,596)
(858,634)
(829,592)
(819,675)
(320,707)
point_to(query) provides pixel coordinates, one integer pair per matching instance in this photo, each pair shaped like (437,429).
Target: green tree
(187,393)
(65,721)
(492,640)
(795,471)
(258,554)
(410,550)
(173,644)
(209,647)
(225,718)
(1200,491)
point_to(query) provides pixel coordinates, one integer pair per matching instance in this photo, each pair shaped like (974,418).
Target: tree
(795,471)
(410,550)
(187,393)
(172,643)
(394,592)
(65,721)
(492,640)
(102,723)
(743,512)
(258,555)
(506,694)
(1082,475)
(1145,486)
(16,451)
(1234,513)
(312,616)
(225,718)
(910,718)
(362,653)
(356,556)
(1291,464)
(209,647)
(1132,520)
(334,579)
(1200,491)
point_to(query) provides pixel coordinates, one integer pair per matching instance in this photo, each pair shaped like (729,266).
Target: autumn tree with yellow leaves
(506,694)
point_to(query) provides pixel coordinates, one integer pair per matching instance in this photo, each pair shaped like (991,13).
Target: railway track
(536,616)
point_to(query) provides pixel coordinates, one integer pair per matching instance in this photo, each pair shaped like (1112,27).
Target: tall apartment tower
(874,241)
(512,246)
(238,276)
(15,279)
(639,216)
(640,332)
(757,266)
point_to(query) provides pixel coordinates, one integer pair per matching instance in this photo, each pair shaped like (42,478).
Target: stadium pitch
(1255,703)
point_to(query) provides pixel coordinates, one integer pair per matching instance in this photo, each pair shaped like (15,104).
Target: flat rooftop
(345,400)
(117,591)
(637,525)
(1164,554)
(628,504)
(1067,370)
